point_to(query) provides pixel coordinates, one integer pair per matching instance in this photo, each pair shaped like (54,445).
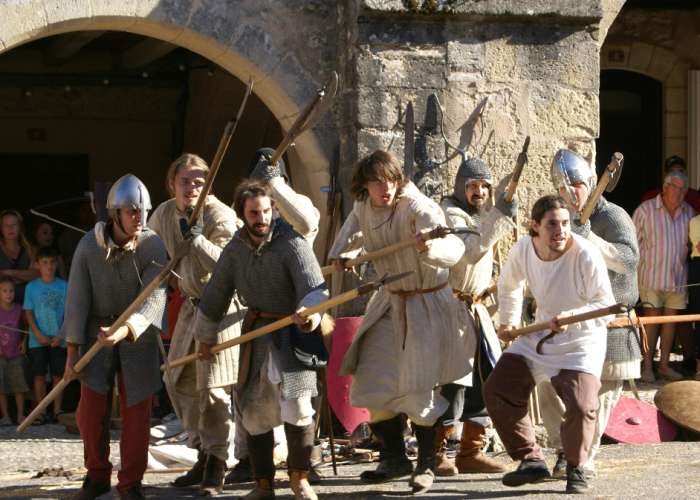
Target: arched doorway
(631,122)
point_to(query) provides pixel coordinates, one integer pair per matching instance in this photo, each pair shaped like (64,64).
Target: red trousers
(93,418)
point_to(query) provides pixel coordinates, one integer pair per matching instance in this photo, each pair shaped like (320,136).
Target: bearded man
(275,272)
(112,264)
(566,275)
(612,232)
(469,279)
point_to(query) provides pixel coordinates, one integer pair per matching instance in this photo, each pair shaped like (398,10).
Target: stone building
(91,89)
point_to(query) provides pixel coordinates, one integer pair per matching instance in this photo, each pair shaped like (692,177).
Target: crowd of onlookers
(668,232)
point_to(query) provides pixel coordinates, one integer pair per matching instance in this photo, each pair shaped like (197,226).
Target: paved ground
(668,470)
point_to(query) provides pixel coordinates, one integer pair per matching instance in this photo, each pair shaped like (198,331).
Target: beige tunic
(220,223)
(472,274)
(406,346)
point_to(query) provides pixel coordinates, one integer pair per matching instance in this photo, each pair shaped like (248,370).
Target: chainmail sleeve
(216,298)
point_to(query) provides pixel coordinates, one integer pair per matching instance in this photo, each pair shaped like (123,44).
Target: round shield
(339,386)
(680,402)
(637,422)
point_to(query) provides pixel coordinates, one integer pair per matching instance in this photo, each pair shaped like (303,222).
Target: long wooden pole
(596,313)
(181,250)
(276,325)
(383,252)
(654,320)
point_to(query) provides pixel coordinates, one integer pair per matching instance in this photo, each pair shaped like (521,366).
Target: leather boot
(470,459)
(300,442)
(262,464)
(443,465)
(240,473)
(393,461)
(424,475)
(214,473)
(193,476)
(91,489)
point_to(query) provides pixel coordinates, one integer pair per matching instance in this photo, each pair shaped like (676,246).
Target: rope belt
(245,355)
(404,294)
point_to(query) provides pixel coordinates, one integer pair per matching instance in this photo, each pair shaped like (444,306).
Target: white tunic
(406,346)
(574,283)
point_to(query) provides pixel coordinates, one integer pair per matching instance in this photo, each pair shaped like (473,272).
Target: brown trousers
(507,391)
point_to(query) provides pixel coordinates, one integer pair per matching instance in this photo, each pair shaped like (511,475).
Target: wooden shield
(680,402)
(637,422)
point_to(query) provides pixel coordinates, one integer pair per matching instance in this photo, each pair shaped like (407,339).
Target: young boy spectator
(44,300)
(12,350)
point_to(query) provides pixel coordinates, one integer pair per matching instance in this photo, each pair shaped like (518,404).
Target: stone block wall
(501,71)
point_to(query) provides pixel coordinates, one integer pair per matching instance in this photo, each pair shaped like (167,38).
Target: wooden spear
(596,313)
(288,320)
(654,320)
(181,250)
(438,232)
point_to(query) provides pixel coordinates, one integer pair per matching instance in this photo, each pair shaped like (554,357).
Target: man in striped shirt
(662,232)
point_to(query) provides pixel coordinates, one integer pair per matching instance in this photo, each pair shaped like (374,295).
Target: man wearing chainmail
(202,391)
(111,266)
(469,279)
(415,334)
(274,271)
(612,231)
(297,210)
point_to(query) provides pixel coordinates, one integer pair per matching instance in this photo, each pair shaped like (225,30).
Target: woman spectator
(16,254)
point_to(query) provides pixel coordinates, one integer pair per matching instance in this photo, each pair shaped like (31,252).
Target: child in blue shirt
(44,300)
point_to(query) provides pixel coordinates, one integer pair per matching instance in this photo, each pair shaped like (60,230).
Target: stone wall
(501,70)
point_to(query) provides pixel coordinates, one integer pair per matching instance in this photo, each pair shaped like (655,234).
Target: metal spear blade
(384,280)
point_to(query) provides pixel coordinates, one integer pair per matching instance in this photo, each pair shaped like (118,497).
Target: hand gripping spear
(181,250)
(288,320)
(438,232)
(538,327)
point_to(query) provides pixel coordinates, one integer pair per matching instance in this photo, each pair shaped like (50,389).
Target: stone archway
(230,38)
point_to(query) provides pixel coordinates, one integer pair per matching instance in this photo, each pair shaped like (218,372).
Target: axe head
(615,170)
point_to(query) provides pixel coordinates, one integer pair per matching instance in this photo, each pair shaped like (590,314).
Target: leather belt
(246,351)
(404,294)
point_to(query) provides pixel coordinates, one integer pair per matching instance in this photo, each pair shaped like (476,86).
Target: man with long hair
(566,275)
(415,335)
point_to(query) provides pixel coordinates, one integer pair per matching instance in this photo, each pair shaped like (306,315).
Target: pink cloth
(10,340)
(339,386)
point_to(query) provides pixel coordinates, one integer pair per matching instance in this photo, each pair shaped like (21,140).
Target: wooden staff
(608,175)
(596,313)
(288,320)
(654,320)
(438,232)
(517,171)
(181,250)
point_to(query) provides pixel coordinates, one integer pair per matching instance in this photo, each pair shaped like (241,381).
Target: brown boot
(443,465)
(213,479)
(470,459)
(299,483)
(264,490)
(194,475)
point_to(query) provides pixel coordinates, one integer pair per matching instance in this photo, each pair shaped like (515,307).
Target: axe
(607,182)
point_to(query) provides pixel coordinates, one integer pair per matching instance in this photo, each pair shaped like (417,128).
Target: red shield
(636,422)
(339,386)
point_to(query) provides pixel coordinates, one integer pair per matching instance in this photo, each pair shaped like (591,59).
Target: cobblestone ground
(668,470)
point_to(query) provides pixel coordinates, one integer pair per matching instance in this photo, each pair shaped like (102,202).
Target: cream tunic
(406,346)
(574,283)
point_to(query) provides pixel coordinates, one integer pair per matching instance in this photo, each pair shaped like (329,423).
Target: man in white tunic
(566,275)
(415,334)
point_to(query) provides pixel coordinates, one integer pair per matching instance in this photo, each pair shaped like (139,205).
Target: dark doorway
(630,122)
(35,180)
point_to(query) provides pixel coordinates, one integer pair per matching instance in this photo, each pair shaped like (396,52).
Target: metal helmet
(260,166)
(568,169)
(128,192)
(469,170)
